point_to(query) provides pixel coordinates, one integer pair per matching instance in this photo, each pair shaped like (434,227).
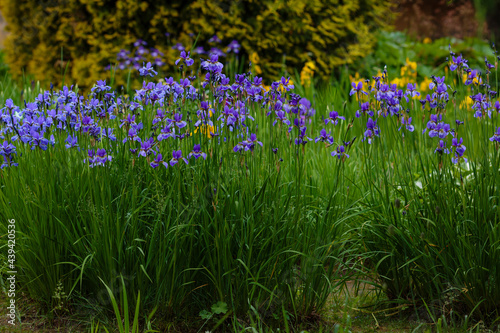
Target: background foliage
(84,36)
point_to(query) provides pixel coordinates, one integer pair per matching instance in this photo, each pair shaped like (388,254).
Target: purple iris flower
(244,113)
(357,88)
(108,133)
(409,127)
(471,76)
(333,117)
(257,81)
(177,155)
(497,106)
(7,151)
(250,143)
(254,93)
(456,62)
(234,47)
(281,116)
(459,156)
(300,123)
(204,115)
(411,90)
(86,123)
(432,124)
(178,120)
(231,122)
(91,157)
(185,59)
(159,62)
(98,158)
(128,121)
(167,132)
(100,87)
(285,83)
(239,146)
(372,130)
(441,130)
(140,42)
(441,89)
(123,54)
(496,136)
(147,147)
(365,109)
(489,66)
(444,130)
(37,140)
(226,112)
(325,137)
(178,47)
(340,152)
(71,142)
(157,161)
(95,132)
(197,152)
(199,50)
(432,101)
(132,135)
(213,65)
(459,150)
(302,138)
(441,148)
(102,156)
(156,53)
(214,39)
(457,143)
(147,70)
(436,82)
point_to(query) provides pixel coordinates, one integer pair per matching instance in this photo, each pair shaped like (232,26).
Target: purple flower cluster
(247,145)
(155,121)
(158,119)
(99,158)
(381,99)
(141,54)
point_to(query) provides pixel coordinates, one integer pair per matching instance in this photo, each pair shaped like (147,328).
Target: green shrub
(85,35)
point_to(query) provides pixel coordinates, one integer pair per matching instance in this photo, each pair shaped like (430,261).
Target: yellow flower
(427,40)
(411,64)
(408,74)
(254,59)
(424,85)
(475,80)
(266,88)
(205,130)
(307,73)
(466,103)
(396,81)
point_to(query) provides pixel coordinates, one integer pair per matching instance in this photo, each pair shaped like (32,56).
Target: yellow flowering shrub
(90,33)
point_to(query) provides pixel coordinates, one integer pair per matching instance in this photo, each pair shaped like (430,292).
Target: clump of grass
(209,191)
